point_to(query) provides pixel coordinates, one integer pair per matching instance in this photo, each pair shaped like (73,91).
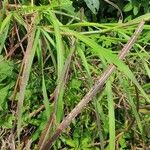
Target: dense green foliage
(52,52)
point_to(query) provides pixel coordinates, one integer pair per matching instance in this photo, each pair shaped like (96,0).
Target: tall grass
(56,53)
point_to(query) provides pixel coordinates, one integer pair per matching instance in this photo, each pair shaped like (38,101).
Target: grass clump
(50,57)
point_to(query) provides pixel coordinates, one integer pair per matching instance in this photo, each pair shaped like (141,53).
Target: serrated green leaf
(75,84)
(135,10)
(128,7)
(70,142)
(3,95)
(93,5)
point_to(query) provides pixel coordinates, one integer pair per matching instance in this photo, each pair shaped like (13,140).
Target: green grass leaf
(111,115)
(133,106)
